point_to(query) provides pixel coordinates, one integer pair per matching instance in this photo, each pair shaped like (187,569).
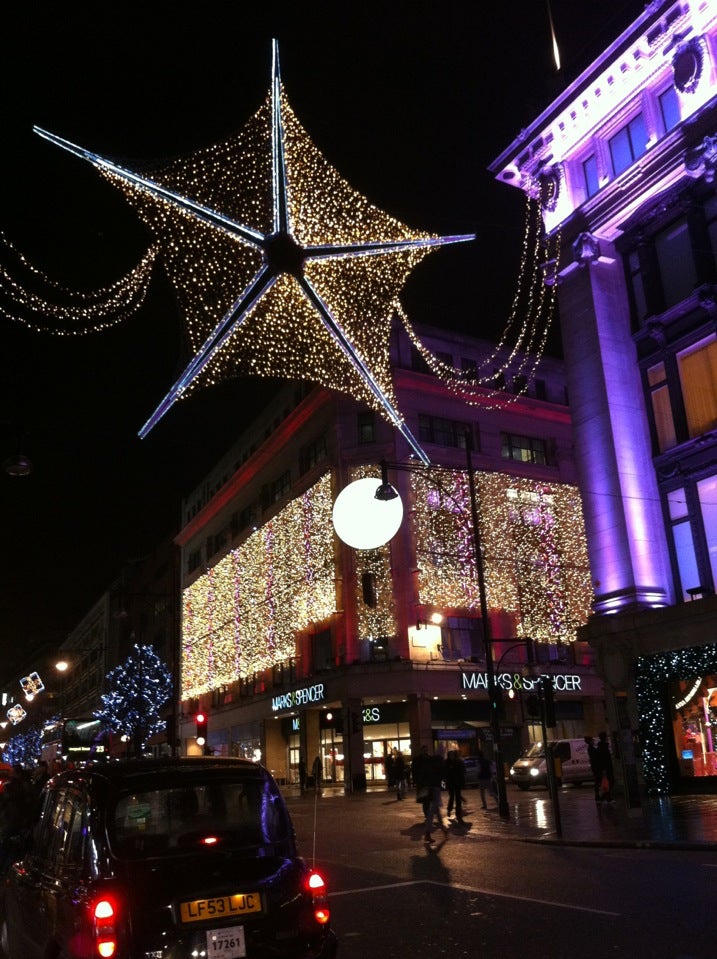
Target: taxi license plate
(220,907)
(226,943)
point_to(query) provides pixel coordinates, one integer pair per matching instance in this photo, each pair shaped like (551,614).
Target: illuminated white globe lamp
(367,513)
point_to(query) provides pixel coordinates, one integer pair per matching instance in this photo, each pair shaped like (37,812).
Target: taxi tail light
(317,888)
(104,923)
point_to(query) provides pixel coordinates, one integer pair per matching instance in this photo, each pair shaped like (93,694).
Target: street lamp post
(366,517)
(503,810)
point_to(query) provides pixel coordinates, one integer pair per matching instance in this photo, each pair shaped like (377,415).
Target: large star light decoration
(304,273)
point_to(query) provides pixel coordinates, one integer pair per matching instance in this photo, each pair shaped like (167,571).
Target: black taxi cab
(165,859)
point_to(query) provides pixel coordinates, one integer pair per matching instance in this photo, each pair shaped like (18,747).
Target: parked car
(531,769)
(165,858)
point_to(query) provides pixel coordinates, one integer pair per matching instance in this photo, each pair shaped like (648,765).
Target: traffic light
(548,702)
(201,720)
(532,706)
(356,724)
(497,703)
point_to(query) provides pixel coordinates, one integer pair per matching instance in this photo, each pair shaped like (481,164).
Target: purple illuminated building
(627,155)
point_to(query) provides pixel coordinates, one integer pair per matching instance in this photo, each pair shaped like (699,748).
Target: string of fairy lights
(247,613)
(324,315)
(62,311)
(527,326)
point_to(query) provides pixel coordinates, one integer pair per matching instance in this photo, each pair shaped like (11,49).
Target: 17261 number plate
(226,943)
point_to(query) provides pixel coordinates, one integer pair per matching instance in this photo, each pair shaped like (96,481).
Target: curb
(661,844)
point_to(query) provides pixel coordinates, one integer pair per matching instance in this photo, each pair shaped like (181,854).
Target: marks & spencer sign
(296,698)
(562,682)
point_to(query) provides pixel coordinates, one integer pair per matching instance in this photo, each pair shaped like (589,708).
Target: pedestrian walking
(455,783)
(606,768)
(485,778)
(428,777)
(594,765)
(399,769)
(316,772)
(390,768)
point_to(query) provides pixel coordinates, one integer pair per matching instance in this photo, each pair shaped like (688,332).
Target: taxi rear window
(184,817)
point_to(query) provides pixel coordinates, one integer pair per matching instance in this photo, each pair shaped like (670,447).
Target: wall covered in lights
(534,549)
(243,614)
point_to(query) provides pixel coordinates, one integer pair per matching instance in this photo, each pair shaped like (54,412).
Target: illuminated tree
(137,691)
(24,747)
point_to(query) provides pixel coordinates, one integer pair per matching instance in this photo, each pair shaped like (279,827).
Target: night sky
(409,101)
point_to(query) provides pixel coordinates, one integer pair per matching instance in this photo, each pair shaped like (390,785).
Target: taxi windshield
(173,818)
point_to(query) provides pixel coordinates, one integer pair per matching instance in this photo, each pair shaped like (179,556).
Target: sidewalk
(676,822)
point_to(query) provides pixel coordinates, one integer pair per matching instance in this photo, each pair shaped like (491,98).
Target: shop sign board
(304,696)
(562,682)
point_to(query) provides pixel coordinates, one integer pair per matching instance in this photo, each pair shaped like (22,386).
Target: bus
(74,740)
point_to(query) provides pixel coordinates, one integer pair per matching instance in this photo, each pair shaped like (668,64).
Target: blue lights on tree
(137,691)
(24,748)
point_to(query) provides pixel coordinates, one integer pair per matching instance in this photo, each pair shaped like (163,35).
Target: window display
(694,701)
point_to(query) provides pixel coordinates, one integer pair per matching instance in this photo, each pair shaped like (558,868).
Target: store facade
(356,717)
(299,646)
(629,149)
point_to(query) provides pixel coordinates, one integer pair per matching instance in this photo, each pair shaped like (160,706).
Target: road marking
(479,892)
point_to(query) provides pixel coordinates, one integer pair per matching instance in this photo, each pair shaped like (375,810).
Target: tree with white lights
(137,691)
(24,747)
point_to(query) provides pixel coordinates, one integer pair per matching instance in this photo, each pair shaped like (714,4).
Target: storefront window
(694,702)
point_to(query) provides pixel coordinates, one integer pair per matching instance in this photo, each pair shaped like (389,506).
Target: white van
(574,766)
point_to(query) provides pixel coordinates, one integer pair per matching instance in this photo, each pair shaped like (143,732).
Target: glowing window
(669,108)
(524,449)
(707,492)
(628,144)
(661,407)
(590,175)
(683,541)
(698,377)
